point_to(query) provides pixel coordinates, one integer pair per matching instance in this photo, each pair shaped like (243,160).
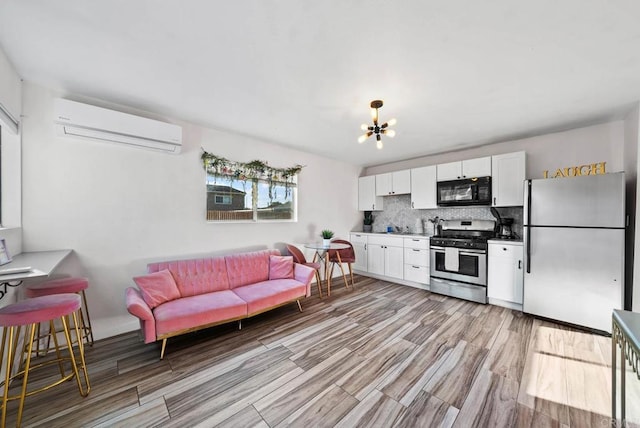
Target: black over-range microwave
(468,191)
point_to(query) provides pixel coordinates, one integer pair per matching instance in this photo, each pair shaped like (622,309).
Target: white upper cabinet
(393,183)
(449,171)
(480,167)
(423,188)
(367,198)
(470,168)
(509,172)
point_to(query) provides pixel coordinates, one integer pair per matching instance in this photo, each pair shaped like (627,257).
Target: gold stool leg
(8,368)
(27,365)
(86,329)
(74,363)
(53,333)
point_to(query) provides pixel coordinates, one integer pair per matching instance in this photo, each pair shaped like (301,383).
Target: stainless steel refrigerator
(574,249)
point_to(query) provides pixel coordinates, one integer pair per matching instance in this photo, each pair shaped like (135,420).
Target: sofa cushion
(157,288)
(248,268)
(197,311)
(280,267)
(267,294)
(196,276)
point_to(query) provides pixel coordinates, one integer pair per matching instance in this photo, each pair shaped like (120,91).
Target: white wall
(121,207)
(604,142)
(10,98)
(10,91)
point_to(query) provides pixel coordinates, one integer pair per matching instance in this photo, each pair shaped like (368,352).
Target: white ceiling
(302,73)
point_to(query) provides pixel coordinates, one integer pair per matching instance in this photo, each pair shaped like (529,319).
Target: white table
(42,263)
(322,252)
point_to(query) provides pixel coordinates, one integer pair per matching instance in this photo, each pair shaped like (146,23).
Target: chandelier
(377,129)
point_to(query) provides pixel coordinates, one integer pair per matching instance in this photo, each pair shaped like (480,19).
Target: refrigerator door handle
(527,222)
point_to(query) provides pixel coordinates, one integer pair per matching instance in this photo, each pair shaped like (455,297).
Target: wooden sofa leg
(239,324)
(164,346)
(299,306)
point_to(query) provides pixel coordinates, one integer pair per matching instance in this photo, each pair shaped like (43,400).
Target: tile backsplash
(398,213)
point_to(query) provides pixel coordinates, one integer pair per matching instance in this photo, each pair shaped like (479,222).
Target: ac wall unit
(74,119)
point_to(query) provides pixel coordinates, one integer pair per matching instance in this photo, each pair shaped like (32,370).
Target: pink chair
(348,255)
(67,285)
(298,257)
(25,316)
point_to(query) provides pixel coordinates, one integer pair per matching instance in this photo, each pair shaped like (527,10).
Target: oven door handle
(462,251)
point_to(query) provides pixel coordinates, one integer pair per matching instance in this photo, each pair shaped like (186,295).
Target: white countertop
(399,234)
(42,263)
(505,241)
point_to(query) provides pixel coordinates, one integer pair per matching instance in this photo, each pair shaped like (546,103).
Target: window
(223,199)
(232,199)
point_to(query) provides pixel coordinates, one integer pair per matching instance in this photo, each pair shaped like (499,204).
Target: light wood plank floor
(380,355)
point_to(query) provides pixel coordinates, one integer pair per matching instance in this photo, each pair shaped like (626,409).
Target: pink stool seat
(39,309)
(57,286)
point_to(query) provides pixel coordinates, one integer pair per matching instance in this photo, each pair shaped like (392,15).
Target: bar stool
(30,313)
(66,285)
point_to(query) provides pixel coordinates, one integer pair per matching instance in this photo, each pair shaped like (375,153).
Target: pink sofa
(187,295)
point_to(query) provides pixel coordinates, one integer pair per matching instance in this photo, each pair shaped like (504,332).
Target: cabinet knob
(413,204)
(504,248)
(417,251)
(519,264)
(494,200)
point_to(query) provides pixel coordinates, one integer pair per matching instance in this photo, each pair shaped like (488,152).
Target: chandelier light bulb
(377,129)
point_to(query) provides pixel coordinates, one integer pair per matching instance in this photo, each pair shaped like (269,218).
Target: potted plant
(367,222)
(326,237)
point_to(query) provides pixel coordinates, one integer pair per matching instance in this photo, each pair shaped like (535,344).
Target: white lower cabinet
(359,242)
(385,256)
(505,276)
(395,257)
(416,260)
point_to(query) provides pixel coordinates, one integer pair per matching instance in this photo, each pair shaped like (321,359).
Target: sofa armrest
(139,308)
(303,274)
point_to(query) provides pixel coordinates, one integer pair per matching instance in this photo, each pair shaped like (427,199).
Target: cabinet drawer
(507,251)
(390,241)
(359,238)
(413,256)
(416,274)
(420,243)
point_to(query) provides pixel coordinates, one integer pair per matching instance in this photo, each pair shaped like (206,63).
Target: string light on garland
(376,129)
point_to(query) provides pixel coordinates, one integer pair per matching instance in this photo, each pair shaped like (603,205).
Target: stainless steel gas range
(459,259)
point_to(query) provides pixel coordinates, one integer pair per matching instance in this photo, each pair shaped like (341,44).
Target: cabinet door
(375,258)
(416,273)
(394,262)
(401,181)
(449,171)
(384,184)
(367,199)
(508,174)
(360,248)
(480,167)
(423,188)
(413,256)
(505,272)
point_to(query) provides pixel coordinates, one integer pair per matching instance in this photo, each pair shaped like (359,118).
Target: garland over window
(254,170)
